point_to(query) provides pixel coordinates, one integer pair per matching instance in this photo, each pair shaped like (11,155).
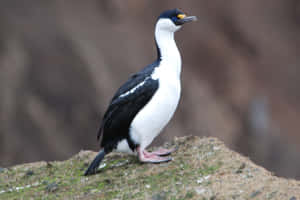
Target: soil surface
(202,168)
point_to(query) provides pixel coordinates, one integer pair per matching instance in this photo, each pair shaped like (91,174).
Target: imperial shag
(144,105)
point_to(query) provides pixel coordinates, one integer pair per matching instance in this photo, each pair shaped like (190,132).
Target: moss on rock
(201,169)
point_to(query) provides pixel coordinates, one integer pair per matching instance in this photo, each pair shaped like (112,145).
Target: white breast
(150,121)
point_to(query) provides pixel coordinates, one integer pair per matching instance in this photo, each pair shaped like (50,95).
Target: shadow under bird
(144,104)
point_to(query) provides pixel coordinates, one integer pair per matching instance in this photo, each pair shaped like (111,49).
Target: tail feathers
(92,169)
(100,131)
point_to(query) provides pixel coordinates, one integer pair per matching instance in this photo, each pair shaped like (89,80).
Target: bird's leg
(145,156)
(164,152)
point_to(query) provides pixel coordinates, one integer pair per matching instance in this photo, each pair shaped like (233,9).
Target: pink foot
(164,152)
(145,156)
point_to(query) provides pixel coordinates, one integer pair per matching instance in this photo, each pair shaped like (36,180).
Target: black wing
(124,106)
(136,79)
(121,112)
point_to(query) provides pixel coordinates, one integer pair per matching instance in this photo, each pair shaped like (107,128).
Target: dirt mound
(202,169)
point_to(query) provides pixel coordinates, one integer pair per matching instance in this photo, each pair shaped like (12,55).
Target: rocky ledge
(202,168)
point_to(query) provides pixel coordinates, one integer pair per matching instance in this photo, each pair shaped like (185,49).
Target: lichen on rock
(202,168)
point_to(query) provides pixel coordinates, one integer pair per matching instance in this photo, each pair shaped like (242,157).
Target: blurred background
(61,62)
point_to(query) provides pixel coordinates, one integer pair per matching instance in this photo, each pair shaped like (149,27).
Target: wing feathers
(123,109)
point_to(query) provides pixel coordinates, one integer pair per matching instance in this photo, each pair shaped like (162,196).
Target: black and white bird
(144,105)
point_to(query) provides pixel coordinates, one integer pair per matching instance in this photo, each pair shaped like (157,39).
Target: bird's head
(172,20)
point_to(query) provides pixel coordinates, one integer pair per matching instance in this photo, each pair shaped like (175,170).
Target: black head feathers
(178,17)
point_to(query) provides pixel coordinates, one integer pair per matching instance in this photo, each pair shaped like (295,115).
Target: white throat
(164,36)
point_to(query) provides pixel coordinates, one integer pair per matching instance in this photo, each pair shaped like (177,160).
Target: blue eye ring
(174,18)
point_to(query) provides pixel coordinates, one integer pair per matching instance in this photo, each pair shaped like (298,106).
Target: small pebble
(29,173)
(49,164)
(255,193)
(107,181)
(35,184)
(240,169)
(102,166)
(200,190)
(94,191)
(159,196)
(45,182)
(271,195)
(52,187)
(216,148)
(214,197)
(200,180)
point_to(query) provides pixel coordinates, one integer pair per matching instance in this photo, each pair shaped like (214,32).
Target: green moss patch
(201,169)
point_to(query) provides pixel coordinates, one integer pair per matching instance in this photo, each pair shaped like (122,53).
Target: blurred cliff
(61,62)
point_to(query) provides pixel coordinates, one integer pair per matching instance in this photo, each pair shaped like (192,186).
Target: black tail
(95,164)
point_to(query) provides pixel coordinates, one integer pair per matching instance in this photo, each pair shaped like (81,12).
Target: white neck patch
(164,36)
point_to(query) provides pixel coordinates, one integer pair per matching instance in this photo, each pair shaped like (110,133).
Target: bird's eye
(181,16)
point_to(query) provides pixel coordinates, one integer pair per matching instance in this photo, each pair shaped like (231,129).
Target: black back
(122,109)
